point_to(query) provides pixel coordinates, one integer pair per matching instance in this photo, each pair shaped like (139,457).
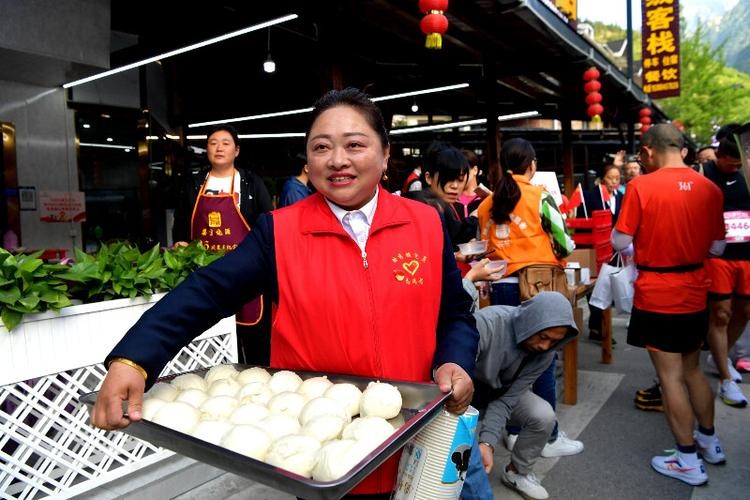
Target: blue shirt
(293,190)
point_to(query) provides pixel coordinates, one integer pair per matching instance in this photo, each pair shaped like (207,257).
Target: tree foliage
(712,94)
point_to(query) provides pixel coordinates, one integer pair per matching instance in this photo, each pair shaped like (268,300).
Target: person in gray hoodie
(516,345)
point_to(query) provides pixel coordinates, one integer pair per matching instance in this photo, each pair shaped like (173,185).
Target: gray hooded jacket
(502,330)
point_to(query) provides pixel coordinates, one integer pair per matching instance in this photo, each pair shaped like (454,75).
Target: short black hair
(226,128)
(446,161)
(356,99)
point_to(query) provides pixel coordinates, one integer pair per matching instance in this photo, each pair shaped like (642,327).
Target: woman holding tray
(365,283)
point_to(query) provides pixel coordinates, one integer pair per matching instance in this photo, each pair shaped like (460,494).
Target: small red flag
(575,199)
(605,194)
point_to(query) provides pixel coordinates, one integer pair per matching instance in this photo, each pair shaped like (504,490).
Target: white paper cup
(433,465)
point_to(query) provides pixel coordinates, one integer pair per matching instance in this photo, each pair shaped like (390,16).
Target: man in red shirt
(673,218)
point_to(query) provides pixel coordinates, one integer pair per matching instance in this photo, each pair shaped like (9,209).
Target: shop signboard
(62,206)
(661,48)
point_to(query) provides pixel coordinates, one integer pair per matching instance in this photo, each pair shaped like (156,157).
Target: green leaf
(11,318)
(10,295)
(30,301)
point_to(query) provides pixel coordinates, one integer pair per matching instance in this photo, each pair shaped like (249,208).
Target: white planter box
(49,360)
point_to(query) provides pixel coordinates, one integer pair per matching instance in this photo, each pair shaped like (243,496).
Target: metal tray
(421,403)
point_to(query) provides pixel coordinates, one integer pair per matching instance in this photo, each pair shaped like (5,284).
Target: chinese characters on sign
(568,7)
(661,48)
(62,206)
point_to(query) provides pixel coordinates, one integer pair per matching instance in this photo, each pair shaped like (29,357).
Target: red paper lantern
(645,120)
(595,110)
(593,98)
(591,74)
(434,24)
(644,112)
(592,86)
(426,6)
(644,128)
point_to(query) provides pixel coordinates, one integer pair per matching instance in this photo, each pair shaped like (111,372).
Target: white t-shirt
(218,185)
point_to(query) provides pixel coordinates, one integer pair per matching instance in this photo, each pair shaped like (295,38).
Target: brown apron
(218,223)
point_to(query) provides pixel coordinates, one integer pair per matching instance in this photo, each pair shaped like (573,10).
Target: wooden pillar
(567,153)
(489,86)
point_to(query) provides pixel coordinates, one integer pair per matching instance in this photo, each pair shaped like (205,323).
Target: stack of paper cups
(433,465)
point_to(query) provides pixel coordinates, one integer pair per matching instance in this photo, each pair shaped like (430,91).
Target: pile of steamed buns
(304,426)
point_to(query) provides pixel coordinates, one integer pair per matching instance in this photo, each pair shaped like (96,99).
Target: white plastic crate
(47,447)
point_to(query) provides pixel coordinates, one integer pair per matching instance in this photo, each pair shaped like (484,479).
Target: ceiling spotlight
(109,139)
(86,125)
(269,66)
(414,107)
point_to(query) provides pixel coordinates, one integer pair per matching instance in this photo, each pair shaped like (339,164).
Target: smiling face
(545,340)
(345,157)
(222,150)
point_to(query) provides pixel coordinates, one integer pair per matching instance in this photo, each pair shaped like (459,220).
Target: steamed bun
(151,406)
(324,427)
(248,440)
(323,406)
(278,426)
(224,387)
(294,453)
(373,430)
(348,394)
(218,407)
(249,413)
(189,381)
(212,430)
(380,399)
(178,416)
(165,392)
(287,403)
(254,374)
(314,387)
(220,372)
(193,397)
(284,381)
(255,392)
(336,458)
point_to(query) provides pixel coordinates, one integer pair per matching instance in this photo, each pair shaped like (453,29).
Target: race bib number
(737,226)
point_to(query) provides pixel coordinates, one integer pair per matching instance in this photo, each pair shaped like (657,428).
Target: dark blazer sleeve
(457,335)
(206,296)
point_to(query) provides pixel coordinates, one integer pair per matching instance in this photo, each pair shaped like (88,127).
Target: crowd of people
(347,236)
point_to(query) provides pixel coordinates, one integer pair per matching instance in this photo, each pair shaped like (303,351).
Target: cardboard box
(586,257)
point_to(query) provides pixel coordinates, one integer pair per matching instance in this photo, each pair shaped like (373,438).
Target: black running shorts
(681,333)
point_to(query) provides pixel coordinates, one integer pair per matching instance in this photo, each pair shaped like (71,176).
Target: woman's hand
(451,376)
(122,383)
(479,272)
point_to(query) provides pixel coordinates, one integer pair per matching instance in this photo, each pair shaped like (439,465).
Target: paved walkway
(619,441)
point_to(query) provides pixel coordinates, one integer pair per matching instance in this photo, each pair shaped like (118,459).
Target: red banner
(661,48)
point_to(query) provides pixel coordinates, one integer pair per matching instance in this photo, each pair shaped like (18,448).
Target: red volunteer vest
(342,312)
(218,223)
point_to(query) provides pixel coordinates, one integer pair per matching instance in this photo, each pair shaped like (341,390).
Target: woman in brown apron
(223,203)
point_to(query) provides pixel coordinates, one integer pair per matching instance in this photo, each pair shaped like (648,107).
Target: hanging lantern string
(593,97)
(434,23)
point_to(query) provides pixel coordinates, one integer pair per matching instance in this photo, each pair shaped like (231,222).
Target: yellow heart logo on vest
(411,267)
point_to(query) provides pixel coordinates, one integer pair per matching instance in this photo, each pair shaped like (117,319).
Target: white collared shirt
(357,222)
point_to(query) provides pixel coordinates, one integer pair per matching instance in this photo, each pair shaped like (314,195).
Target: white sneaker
(672,466)
(509,440)
(563,446)
(709,448)
(527,485)
(731,394)
(733,373)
